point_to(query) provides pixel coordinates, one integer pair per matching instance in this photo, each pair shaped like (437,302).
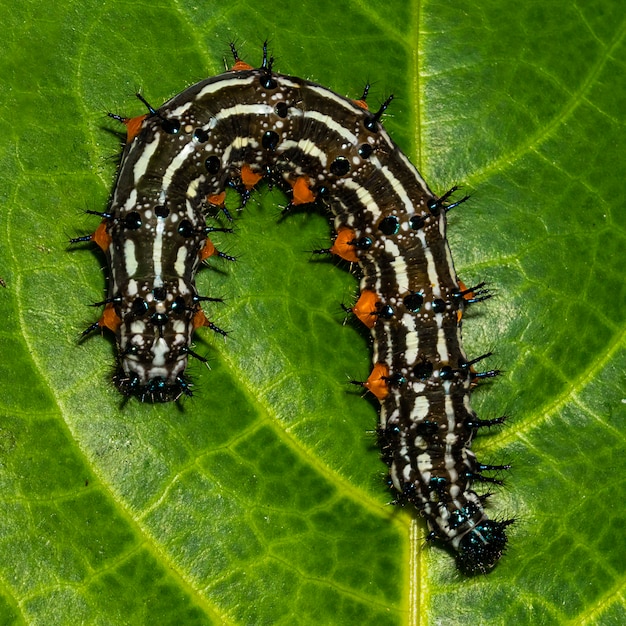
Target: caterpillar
(250,124)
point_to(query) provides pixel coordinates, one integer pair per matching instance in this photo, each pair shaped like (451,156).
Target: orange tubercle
(102,237)
(302,193)
(249,178)
(362,104)
(208,250)
(133,126)
(467,296)
(343,246)
(377,381)
(365,308)
(217,200)
(463,287)
(200,319)
(240,65)
(110,319)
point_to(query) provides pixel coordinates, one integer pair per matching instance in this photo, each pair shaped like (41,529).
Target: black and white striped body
(287,129)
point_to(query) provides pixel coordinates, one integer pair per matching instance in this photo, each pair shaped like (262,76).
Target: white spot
(424,463)
(137,327)
(420,443)
(159,350)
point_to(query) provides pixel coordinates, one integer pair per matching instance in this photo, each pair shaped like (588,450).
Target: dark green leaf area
(289,347)
(60,522)
(277,520)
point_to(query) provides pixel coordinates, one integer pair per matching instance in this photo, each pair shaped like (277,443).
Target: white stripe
(181,110)
(396,185)
(131,201)
(412,338)
(412,168)
(157,252)
(448,456)
(181,259)
(140,167)
(307,147)
(130,257)
(442,347)
(331,95)
(138,170)
(329,122)
(420,409)
(442,230)
(237,144)
(192,188)
(365,197)
(174,166)
(393,473)
(221,84)
(239,110)
(430,267)
(424,463)
(159,350)
(399,266)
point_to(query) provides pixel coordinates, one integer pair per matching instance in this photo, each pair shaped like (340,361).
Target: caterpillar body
(248,124)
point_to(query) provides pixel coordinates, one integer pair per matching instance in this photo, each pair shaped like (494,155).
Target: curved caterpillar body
(248,124)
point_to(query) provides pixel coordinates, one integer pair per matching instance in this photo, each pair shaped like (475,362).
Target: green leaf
(262,500)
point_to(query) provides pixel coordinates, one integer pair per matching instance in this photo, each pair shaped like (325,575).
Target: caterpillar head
(153,341)
(480,549)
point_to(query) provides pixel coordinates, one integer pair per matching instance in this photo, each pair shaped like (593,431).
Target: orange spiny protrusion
(102,236)
(459,313)
(343,245)
(208,250)
(469,297)
(200,319)
(133,126)
(110,319)
(302,193)
(239,65)
(463,287)
(217,200)
(377,382)
(361,101)
(249,178)
(366,307)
